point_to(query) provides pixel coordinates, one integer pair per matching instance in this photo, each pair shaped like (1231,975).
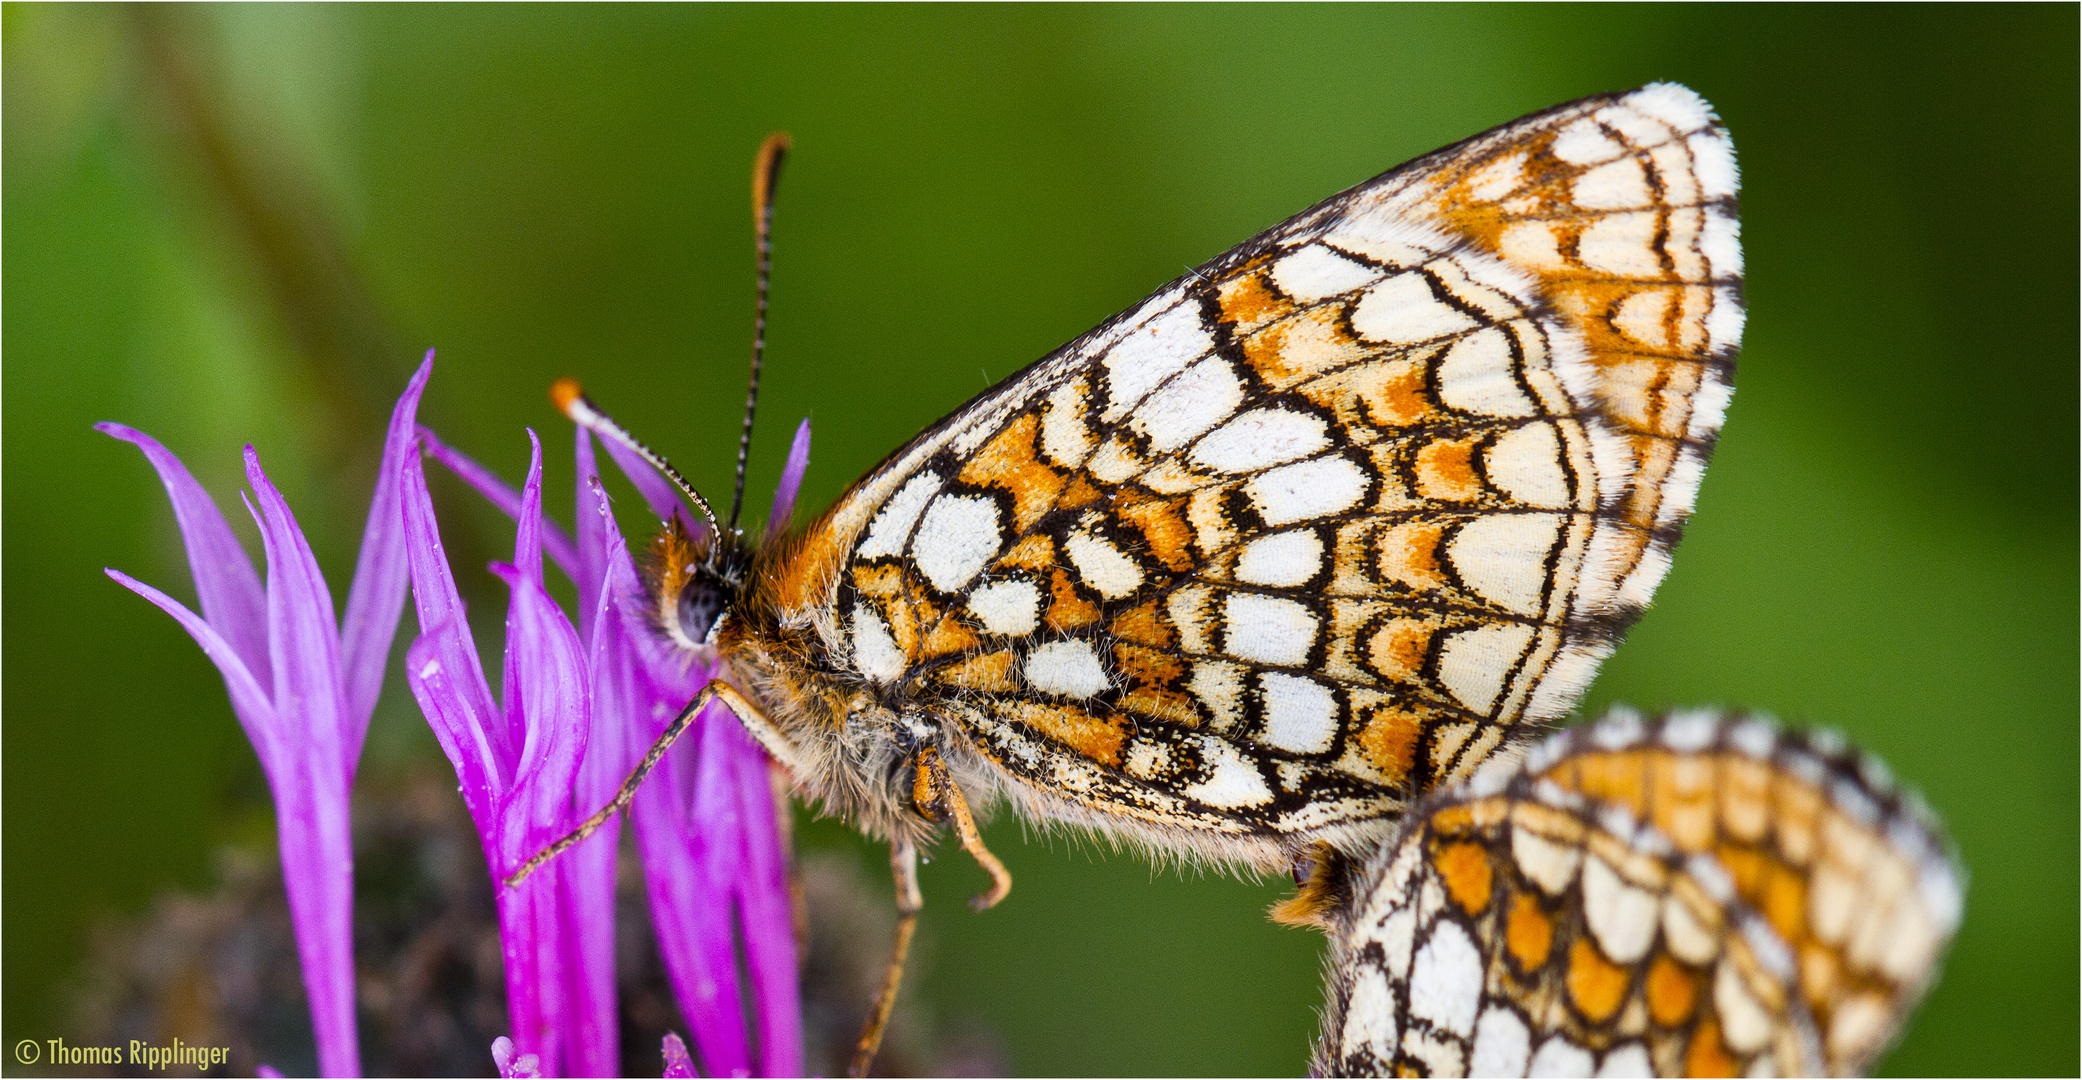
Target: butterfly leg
(747,713)
(939,798)
(903,865)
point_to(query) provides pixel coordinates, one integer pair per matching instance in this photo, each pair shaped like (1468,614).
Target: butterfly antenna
(766,174)
(573,403)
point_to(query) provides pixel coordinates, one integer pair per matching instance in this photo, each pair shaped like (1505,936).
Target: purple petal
(586,526)
(225,583)
(303,639)
(546,696)
(311,795)
(678,1066)
(555,543)
(791,482)
(766,910)
(268,1072)
(512,1067)
(249,702)
(442,666)
(659,493)
(376,597)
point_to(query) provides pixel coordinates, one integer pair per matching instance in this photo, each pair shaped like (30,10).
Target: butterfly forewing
(1329,521)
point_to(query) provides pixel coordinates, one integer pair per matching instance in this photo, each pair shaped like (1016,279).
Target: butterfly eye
(700,603)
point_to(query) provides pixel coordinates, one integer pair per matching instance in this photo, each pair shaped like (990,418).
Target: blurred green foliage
(242,224)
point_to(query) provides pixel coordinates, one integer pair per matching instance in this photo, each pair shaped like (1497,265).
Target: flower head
(714,866)
(302,686)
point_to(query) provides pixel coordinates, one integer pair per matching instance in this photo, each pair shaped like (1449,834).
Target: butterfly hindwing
(1328,522)
(1701,895)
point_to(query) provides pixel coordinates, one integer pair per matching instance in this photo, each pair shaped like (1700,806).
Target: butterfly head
(695,578)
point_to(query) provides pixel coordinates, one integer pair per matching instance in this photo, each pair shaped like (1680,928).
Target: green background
(231,225)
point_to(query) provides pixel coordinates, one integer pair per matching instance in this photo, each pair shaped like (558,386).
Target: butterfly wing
(1330,520)
(1557,925)
(1851,874)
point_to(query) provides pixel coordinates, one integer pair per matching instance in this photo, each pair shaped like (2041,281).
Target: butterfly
(1332,521)
(1698,895)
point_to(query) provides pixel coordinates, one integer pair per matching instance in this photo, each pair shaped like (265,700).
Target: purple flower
(302,687)
(520,763)
(706,821)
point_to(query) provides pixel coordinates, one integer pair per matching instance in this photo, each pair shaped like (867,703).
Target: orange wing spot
(1596,985)
(1080,494)
(1158,704)
(1707,1056)
(990,672)
(1380,394)
(1681,799)
(1784,900)
(1446,470)
(948,636)
(1313,342)
(903,621)
(1396,651)
(1672,991)
(1150,667)
(1163,525)
(1008,462)
(1528,933)
(1035,553)
(1068,611)
(1454,819)
(1410,555)
(1249,301)
(1820,972)
(1096,739)
(1745,799)
(1746,866)
(1389,742)
(878,581)
(1465,866)
(1145,624)
(1621,777)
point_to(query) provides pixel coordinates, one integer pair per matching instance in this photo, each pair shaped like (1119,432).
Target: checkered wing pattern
(1334,518)
(1702,895)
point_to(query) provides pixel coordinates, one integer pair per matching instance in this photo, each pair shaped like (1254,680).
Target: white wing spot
(1306,489)
(1282,560)
(1503,557)
(1446,982)
(1403,309)
(874,651)
(1502,1044)
(1066,668)
(1151,353)
(1546,863)
(1474,662)
(1622,917)
(1269,629)
(1526,464)
(891,527)
(1316,273)
(1582,143)
(1630,1060)
(1104,567)
(1559,1057)
(1007,607)
(1201,397)
(957,538)
(1259,439)
(1300,714)
(1232,781)
(1475,377)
